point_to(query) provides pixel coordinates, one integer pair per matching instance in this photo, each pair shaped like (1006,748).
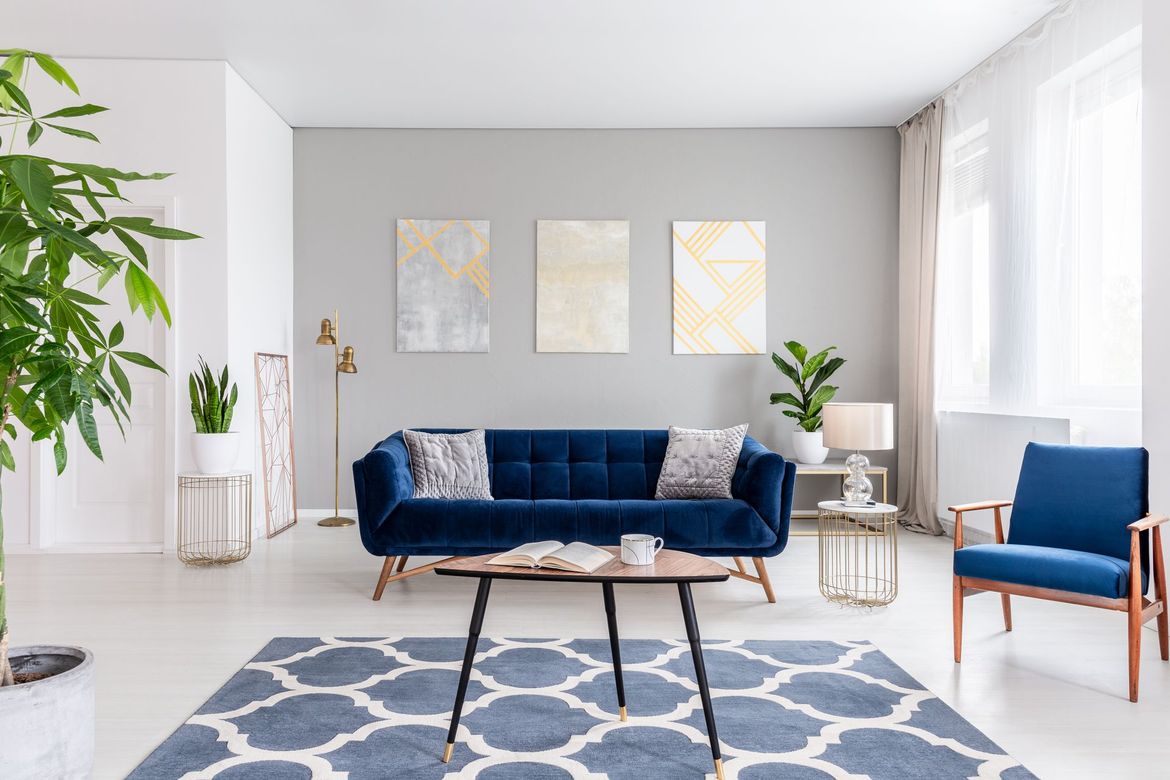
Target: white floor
(1052,693)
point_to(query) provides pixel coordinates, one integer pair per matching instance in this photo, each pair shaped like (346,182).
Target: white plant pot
(47,726)
(808,447)
(215,453)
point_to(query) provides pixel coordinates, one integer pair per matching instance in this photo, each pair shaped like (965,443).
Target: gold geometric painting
(278,461)
(720,288)
(444,288)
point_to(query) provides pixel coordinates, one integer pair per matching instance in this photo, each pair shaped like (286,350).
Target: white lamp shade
(858,426)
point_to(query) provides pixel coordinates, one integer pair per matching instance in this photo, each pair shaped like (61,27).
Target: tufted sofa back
(574,464)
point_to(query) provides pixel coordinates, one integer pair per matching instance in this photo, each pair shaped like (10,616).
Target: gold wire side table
(858,553)
(215,518)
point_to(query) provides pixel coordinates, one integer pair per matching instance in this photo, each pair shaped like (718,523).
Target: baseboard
(321,514)
(970,535)
(86,549)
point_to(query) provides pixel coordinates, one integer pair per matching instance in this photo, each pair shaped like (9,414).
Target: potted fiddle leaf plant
(59,362)
(213,444)
(808,374)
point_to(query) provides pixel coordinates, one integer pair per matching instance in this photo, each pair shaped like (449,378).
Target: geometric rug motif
(359,709)
(720,288)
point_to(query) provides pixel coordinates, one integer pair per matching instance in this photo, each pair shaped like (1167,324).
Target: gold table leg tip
(622,713)
(719,769)
(447,751)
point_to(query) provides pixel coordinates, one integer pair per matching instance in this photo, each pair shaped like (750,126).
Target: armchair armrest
(978,505)
(1147,522)
(959,509)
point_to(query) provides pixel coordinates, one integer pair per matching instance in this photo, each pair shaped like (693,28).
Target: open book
(575,556)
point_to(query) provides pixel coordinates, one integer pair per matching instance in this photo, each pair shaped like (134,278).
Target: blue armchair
(1079,534)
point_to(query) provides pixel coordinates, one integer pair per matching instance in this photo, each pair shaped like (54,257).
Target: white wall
(259,281)
(232,184)
(1156,247)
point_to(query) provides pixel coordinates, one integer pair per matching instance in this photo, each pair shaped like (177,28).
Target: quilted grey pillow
(449,465)
(699,463)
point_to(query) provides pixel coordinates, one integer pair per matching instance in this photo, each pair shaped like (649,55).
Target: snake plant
(211,403)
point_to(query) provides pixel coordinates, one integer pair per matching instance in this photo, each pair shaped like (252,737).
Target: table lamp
(858,426)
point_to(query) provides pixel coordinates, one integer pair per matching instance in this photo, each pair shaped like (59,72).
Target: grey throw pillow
(449,465)
(699,463)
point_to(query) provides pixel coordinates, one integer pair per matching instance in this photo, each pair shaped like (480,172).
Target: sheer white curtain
(1039,254)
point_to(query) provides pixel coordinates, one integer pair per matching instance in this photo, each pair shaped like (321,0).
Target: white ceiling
(555,63)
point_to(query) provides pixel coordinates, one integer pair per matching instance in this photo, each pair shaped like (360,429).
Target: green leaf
(797,349)
(60,454)
(132,245)
(34,132)
(786,368)
(53,70)
(14,340)
(117,333)
(34,179)
(120,379)
(75,111)
(814,363)
(146,227)
(792,414)
(810,424)
(140,287)
(73,131)
(139,359)
(6,459)
(785,398)
(87,426)
(16,95)
(826,371)
(822,396)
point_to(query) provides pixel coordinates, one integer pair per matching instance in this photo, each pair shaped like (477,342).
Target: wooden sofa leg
(1160,595)
(762,572)
(387,569)
(401,563)
(957,617)
(1006,601)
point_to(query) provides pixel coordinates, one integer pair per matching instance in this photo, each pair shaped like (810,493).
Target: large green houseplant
(57,360)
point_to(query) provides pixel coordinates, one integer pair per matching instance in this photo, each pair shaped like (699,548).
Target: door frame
(42,496)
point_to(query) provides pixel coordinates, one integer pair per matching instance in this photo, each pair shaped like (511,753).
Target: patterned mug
(640,549)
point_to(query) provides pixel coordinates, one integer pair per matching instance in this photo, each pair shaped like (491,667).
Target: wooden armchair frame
(1139,609)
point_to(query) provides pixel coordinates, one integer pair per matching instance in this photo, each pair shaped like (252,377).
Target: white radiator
(979,458)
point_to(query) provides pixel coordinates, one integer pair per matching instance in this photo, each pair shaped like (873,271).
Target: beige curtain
(917,240)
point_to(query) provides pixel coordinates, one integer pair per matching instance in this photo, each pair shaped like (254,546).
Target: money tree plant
(58,360)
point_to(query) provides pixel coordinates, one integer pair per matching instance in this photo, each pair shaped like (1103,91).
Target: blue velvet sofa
(586,485)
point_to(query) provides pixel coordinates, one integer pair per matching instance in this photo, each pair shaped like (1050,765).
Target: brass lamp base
(336,522)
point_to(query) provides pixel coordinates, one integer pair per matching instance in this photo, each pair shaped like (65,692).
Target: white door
(117,502)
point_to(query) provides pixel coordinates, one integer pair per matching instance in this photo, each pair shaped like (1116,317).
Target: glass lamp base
(857,488)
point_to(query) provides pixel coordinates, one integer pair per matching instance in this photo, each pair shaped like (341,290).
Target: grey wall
(829,197)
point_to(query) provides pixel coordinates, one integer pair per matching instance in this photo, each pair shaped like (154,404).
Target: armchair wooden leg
(1006,602)
(1160,594)
(957,607)
(762,573)
(387,569)
(1135,616)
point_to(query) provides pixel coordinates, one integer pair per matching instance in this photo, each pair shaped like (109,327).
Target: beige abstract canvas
(582,286)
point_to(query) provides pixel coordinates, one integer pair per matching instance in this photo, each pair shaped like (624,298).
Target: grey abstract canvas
(444,287)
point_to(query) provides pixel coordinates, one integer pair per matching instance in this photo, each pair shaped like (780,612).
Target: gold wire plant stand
(215,518)
(858,553)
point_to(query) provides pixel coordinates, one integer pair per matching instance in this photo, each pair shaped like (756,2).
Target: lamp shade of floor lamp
(342,364)
(857,427)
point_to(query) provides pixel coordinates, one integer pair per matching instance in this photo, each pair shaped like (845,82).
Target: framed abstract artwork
(444,285)
(278,459)
(720,288)
(582,286)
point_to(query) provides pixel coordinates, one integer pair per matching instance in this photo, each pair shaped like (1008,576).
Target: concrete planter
(46,726)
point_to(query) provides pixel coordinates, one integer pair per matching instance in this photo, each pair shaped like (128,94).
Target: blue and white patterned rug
(360,709)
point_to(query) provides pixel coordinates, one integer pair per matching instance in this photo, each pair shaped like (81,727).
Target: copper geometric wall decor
(274,401)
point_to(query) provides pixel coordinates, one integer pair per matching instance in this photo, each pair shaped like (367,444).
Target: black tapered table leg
(481,598)
(688,610)
(614,648)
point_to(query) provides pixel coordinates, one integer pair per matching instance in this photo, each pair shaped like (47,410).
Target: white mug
(640,549)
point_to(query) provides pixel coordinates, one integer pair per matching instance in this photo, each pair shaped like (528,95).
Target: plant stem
(5,666)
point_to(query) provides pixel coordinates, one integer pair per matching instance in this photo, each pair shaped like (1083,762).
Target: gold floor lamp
(342,364)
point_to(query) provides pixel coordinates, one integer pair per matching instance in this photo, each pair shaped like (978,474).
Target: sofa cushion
(449,465)
(1047,567)
(700,463)
(480,526)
